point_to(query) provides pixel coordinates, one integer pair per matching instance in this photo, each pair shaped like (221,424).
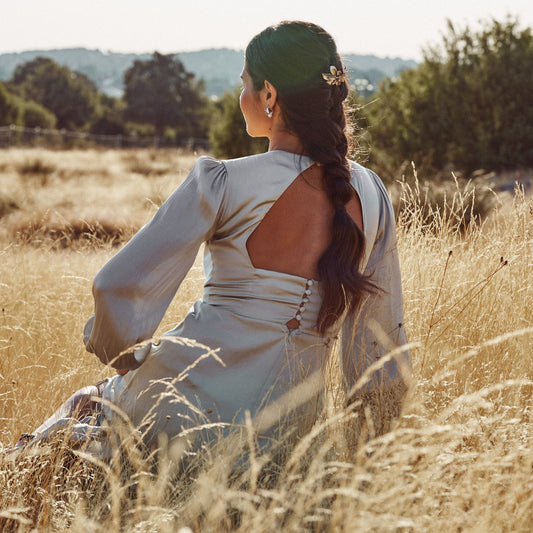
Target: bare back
(296,230)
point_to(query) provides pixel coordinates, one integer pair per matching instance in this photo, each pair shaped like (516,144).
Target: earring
(268,111)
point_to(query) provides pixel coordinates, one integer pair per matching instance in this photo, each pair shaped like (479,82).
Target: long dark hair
(292,56)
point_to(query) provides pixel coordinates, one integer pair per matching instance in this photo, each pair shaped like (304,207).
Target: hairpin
(337,77)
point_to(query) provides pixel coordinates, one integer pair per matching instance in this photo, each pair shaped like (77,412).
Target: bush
(16,110)
(34,115)
(108,124)
(109,118)
(468,105)
(9,107)
(136,129)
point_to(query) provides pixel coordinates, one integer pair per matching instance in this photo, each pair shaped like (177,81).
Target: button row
(305,299)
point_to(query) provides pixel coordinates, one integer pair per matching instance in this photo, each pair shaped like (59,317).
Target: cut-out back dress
(244,310)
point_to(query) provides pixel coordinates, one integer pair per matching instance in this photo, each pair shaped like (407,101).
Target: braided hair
(292,56)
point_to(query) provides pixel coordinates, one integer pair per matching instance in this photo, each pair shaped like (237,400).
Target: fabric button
(298,317)
(308,292)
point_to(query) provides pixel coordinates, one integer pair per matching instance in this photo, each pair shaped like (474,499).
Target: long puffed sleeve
(134,289)
(378,326)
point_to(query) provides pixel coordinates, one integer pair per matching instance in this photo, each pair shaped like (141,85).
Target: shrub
(9,107)
(34,115)
(468,105)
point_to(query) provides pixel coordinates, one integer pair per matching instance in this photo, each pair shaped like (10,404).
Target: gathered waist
(281,304)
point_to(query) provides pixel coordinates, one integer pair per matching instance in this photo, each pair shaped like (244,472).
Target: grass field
(460,458)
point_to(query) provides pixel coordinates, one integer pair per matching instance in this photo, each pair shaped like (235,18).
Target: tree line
(466,106)
(161,98)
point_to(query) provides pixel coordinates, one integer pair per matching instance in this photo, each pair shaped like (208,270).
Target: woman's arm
(134,289)
(378,327)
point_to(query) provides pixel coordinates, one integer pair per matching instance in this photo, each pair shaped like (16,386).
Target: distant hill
(220,68)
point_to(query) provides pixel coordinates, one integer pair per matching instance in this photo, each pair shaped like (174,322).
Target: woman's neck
(281,139)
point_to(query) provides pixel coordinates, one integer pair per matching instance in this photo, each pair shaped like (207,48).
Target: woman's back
(297,228)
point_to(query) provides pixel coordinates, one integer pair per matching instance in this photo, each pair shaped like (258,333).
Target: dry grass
(58,198)
(460,458)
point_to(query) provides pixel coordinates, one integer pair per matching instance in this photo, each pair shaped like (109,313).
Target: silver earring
(268,111)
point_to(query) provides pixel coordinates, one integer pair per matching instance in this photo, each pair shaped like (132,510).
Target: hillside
(219,68)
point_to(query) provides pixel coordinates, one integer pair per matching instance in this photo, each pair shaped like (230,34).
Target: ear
(269,94)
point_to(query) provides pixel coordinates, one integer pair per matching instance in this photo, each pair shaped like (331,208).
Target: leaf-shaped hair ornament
(336,76)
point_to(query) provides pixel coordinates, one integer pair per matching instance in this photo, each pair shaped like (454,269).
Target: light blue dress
(255,359)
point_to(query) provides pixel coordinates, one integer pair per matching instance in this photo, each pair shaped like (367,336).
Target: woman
(297,240)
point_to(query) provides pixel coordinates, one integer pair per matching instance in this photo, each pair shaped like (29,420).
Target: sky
(387,28)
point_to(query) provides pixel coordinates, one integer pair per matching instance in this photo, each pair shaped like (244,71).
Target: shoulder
(247,175)
(235,176)
(243,164)
(367,176)
(366,182)
(209,165)
(378,213)
(208,173)
(231,169)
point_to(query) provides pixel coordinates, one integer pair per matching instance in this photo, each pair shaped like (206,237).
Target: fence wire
(51,138)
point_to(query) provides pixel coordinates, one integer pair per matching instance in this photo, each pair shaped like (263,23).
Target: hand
(122,371)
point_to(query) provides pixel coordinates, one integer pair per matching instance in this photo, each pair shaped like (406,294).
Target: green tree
(468,105)
(15,110)
(71,96)
(161,92)
(109,117)
(227,134)
(9,107)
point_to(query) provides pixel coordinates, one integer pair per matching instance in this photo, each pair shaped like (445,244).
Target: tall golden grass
(459,458)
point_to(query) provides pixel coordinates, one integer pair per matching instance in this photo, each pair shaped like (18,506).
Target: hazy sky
(386,27)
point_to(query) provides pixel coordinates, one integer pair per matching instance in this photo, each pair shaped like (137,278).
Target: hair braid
(339,264)
(292,56)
